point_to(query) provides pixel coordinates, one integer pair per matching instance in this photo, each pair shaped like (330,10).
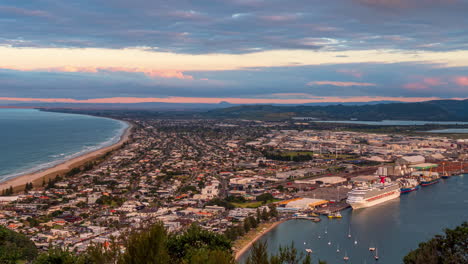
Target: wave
(63,157)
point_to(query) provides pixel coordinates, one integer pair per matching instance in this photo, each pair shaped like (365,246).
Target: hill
(439,110)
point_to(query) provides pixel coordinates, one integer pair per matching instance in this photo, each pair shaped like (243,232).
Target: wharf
(333,208)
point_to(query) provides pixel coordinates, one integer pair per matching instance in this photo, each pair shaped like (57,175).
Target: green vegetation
(150,245)
(15,247)
(234,232)
(451,248)
(439,110)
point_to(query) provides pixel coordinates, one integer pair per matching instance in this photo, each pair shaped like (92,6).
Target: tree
(259,255)
(265,216)
(57,255)
(15,247)
(273,211)
(184,246)
(264,197)
(147,246)
(451,248)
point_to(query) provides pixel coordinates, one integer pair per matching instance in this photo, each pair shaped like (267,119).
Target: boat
(371,249)
(337,248)
(408,185)
(334,215)
(373,194)
(376,257)
(427,177)
(346,258)
(308,250)
(445,175)
(349,232)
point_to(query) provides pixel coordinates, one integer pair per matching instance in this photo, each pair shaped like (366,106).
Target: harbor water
(394,228)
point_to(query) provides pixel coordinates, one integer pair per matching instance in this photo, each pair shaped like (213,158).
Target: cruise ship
(370,195)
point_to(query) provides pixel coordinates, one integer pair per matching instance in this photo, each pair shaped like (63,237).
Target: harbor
(393,228)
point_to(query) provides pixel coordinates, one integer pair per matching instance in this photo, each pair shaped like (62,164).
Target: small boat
(349,233)
(319,237)
(308,250)
(376,255)
(346,258)
(371,249)
(446,175)
(334,215)
(355,242)
(329,243)
(337,248)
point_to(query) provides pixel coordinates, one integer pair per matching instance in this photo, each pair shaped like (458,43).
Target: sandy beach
(259,232)
(37,178)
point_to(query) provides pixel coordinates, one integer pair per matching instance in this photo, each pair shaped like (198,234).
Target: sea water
(33,140)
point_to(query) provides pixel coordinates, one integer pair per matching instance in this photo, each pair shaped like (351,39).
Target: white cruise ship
(370,195)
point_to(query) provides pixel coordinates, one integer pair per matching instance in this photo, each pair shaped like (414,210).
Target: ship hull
(371,202)
(411,189)
(427,183)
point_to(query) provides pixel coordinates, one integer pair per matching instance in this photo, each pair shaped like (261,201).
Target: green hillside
(15,247)
(440,110)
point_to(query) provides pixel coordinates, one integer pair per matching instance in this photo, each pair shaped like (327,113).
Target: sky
(237,51)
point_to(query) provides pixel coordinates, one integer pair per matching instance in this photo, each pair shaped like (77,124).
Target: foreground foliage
(15,247)
(451,248)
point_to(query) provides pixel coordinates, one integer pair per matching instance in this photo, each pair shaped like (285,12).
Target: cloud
(461,80)
(352,72)
(24,12)
(212,100)
(416,86)
(340,84)
(405,3)
(137,58)
(148,72)
(425,84)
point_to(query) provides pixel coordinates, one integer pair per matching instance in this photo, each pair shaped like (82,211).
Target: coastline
(259,234)
(37,177)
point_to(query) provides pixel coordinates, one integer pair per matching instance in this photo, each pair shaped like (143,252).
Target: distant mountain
(155,106)
(439,110)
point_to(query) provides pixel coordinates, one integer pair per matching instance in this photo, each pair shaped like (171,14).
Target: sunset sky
(239,51)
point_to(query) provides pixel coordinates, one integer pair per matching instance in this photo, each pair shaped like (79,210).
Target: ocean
(394,227)
(32,140)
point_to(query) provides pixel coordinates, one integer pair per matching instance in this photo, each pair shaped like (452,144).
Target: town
(217,174)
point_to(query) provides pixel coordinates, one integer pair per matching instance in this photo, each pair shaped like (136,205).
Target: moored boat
(408,185)
(370,195)
(427,177)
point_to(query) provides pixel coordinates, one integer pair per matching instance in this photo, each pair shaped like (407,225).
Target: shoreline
(37,177)
(260,234)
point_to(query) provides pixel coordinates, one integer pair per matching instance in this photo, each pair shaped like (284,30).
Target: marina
(387,231)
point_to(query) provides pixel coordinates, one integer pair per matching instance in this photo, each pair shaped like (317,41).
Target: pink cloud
(433,81)
(24,12)
(340,84)
(425,84)
(462,80)
(148,72)
(352,72)
(405,3)
(175,99)
(415,86)
(280,18)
